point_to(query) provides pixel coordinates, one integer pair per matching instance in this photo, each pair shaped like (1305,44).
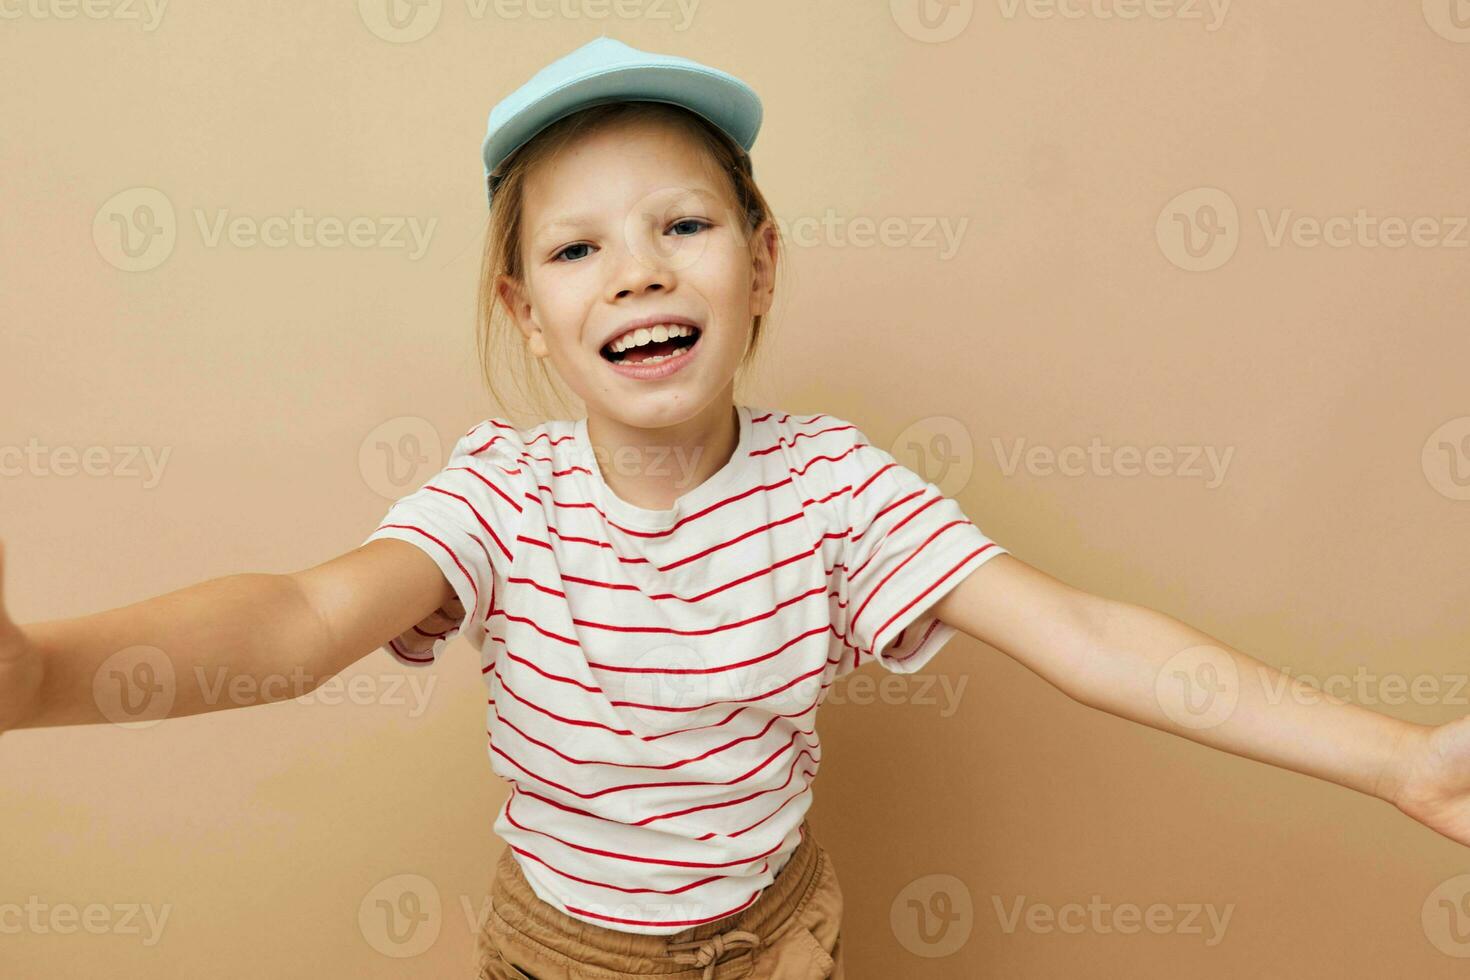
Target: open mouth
(654,351)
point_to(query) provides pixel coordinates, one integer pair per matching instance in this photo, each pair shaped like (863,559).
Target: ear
(763,249)
(513,295)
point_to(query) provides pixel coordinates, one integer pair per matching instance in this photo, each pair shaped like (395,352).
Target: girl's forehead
(618,177)
(627,151)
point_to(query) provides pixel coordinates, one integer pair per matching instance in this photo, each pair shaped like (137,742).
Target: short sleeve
(466,518)
(905,546)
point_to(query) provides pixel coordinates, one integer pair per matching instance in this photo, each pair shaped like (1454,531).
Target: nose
(649,283)
(641,266)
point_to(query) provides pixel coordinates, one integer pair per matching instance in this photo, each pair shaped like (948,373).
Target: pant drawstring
(707,952)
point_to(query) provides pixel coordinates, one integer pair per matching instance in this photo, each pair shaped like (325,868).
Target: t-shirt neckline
(689,502)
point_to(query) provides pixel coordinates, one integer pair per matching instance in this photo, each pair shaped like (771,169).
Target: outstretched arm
(1146,666)
(283,633)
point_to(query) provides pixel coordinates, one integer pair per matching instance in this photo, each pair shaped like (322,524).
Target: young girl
(663,590)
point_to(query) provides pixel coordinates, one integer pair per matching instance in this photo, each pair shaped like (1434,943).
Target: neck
(651,468)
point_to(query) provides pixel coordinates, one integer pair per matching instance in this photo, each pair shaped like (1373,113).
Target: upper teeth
(647,335)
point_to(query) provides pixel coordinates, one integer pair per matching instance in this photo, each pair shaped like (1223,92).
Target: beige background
(1335,543)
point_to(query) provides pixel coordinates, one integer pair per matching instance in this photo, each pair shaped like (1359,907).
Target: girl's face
(630,226)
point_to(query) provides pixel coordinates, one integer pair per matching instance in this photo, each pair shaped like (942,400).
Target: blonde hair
(498,339)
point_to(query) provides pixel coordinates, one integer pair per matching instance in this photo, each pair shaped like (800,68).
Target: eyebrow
(545,234)
(568,220)
(576,220)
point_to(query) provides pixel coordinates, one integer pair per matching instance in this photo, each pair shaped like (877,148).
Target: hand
(1432,776)
(20,666)
(419,640)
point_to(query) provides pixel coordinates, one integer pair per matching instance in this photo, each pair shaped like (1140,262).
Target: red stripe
(595,689)
(811,421)
(665,630)
(650,738)
(757,697)
(790,775)
(877,587)
(748,774)
(805,791)
(600,665)
(447,550)
(920,597)
(803,435)
(877,548)
(898,643)
(595,583)
(401,655)
(481,477)
(620,888)
(478,517)
(668,922)
(710,631)
(633,765)
(516,791)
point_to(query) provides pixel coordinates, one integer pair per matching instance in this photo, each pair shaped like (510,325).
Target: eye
(699,222)
(558,256)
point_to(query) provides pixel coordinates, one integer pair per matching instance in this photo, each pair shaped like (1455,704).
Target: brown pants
(790,932)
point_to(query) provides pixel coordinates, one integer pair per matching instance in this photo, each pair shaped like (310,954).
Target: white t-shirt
(654,676)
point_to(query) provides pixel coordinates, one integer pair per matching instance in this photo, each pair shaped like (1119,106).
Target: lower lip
(655,372)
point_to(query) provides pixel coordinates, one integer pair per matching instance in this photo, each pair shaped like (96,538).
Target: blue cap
(607,70)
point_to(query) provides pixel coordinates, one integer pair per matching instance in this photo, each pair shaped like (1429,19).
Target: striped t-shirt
(654,675)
